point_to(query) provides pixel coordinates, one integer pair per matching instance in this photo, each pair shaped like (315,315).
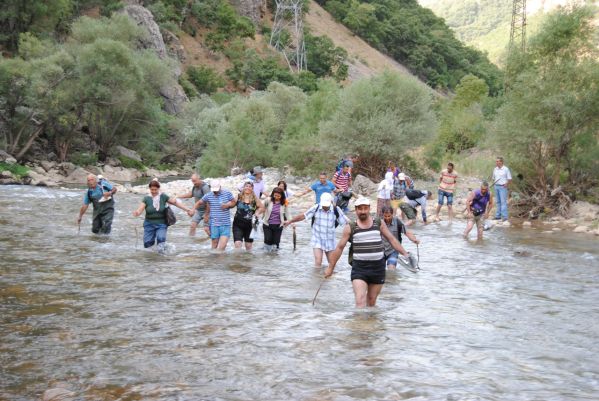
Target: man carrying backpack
(325,217)
(366,255)
(416,198)
(99,193)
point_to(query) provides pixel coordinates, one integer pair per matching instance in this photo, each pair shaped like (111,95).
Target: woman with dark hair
(397,228)
(275,214)
(248,205)
(288,194)
(155,206)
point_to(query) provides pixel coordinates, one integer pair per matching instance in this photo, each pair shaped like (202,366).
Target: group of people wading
(376,241)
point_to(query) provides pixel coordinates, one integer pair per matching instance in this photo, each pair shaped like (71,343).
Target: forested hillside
(485,24)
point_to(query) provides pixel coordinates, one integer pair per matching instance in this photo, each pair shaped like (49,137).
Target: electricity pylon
(288,33)
(518,30)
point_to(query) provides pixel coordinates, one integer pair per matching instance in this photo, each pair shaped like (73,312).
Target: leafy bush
(324,58)
(205,79)
(128,162)
(17,170)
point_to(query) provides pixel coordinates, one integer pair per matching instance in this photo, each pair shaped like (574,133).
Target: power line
(288,33)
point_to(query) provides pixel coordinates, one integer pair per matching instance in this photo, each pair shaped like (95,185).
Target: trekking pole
(294,239)
(317,291)
(418,255)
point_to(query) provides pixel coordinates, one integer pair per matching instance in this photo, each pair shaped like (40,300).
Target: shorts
(443,194)
(479,221)
(220,231)
(409,210)
(242,230)
(370,271)
(395,204)
(198,216)
(392,258)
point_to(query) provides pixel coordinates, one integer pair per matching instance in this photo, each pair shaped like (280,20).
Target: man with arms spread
(325,217)
(502,177)
(447,183)
(368,255)
(322,186)
(100,195)
(199,189)
(219,201)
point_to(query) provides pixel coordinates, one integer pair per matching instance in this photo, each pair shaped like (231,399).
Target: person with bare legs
(478,204)
(447,184)
(366,255)
(219,201)
(199,189)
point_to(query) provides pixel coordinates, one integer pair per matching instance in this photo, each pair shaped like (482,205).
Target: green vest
(156,216)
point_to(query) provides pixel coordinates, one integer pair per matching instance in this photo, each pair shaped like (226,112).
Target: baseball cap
(326,200)
(362,201)
(215,185)
(401,177)
(258,170)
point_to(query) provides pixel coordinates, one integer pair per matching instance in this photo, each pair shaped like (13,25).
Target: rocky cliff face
(174,96)
(253,9)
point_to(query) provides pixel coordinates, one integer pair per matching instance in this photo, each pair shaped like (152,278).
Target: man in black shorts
(366,254)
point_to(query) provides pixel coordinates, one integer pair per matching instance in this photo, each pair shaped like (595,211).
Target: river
(512,318)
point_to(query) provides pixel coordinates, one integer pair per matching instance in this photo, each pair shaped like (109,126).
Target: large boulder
(47,165)
(131,154)
(7,158)
(121,174)
(174,95)
(41,180)
(66,168)
(363,186)
(173,46)
(77,176)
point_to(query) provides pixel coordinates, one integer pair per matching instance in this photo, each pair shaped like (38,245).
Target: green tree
(324,58)
(549,122)
(205,79)
(380,119)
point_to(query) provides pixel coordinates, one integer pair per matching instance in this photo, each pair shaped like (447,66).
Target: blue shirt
(218,216)
(97,192)
(320,188)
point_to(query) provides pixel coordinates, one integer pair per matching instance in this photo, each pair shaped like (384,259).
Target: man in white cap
(219,201)
(325,217)
(366,255)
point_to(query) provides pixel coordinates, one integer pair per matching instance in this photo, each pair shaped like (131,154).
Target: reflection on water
(511,318)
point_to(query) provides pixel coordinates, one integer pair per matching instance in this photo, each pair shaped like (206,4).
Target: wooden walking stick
(317,291)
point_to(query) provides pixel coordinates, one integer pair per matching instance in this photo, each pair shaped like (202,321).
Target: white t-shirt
(501,175)
(386,187)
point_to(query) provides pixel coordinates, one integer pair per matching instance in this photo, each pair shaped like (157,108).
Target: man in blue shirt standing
(99,193)
(322,186)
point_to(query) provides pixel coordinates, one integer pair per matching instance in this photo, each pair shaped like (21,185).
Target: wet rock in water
(556,229)
(363,185)
(131,154)
(7,158)
(58,394)
(522,253)
(78,176)
(527,224)
(596,232)
(41,180)
(581,229)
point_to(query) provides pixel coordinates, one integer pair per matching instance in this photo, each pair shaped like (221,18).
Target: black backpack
(414,194)
(336,216)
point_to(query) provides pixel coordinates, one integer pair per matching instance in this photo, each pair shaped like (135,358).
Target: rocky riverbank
(583,218)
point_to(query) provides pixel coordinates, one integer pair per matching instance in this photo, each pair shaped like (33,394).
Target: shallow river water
(513,318)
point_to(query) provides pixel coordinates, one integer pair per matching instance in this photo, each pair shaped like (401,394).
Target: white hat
(401,177)
(214,185)
(362,201)
(326,200)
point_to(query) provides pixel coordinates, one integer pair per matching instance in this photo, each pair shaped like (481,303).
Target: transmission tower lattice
(288,33)
(518,30)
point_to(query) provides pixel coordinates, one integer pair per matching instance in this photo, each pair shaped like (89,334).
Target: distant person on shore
(275,215)
(99,194)
(219,201)
(256,176)
(385,190)
(478,205)
(322,186)
(343,182)
(248,206)
(156,205)
(324,218)
(447,184)
(367,254)
(199,189)
(416,198)
(502,177)
(397,228)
